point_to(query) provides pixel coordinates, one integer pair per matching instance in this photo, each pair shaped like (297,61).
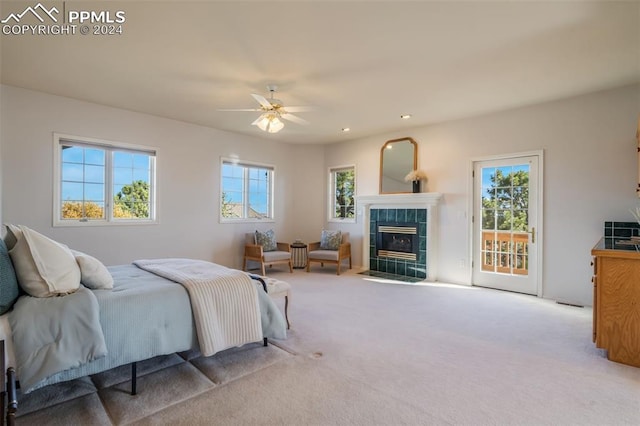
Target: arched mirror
(397,158)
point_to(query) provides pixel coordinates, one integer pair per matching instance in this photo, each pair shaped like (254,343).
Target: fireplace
(407,212)
(397,240)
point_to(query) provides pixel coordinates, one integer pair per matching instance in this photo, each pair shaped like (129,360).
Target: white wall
(590,176)
(187,177)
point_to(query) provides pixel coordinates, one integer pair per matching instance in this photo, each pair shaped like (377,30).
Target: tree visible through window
(343,184)
(505,200)
(246,191)
(101,182)
(505,217)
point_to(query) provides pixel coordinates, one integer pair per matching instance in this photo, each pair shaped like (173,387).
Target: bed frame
(8,390)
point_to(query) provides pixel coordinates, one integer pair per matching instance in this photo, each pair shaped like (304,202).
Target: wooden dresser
(616,300)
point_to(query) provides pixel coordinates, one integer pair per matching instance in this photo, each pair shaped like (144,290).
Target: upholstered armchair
(280,253)
(333,248)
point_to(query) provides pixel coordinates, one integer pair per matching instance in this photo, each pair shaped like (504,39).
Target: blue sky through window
(84,171)
(247,184)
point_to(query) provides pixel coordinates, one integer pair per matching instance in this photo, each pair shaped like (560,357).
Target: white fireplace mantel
(425,200)
(420,200)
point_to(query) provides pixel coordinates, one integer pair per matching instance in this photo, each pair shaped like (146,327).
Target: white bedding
(224,301)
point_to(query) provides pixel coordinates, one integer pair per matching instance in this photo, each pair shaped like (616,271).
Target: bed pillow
(267,240)
(93,273)
(44,267)
(9,290)
(330,240)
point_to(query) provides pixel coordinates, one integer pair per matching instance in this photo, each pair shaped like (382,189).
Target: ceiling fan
(272,111)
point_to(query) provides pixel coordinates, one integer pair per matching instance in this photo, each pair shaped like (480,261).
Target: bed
(144,315)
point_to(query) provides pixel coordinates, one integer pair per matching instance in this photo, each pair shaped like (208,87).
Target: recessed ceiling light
(405,116)
(346,129)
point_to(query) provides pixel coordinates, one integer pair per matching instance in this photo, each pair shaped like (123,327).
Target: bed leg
(264,342)
(134,378)
(12,399)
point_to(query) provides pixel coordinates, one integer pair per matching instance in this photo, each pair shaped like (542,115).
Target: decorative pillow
(267,240)
(330,240)
(44,267)
(13,232)
(9,290)
(93,273)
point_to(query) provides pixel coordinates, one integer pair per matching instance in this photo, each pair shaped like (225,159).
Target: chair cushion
(330,240)
(323,254)
(267,240)
(272,256)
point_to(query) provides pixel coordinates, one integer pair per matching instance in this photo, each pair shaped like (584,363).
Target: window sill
(98,223)
(270,220)
(349,220)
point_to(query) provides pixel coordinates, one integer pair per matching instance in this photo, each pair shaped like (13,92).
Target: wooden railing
(505,252)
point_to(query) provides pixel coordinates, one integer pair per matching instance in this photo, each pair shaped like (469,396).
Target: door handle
(533,235)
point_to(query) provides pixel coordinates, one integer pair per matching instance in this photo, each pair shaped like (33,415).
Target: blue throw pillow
(267,240)
(9,290)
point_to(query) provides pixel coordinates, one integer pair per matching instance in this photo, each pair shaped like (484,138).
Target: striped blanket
(224,301)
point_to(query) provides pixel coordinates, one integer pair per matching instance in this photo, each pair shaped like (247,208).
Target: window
(247,191)
(101,183)
(342,191)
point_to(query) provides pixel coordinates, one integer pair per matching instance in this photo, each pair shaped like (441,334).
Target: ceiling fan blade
(241,109)
(299,108)
(294,118)
(262,101)
(257,120)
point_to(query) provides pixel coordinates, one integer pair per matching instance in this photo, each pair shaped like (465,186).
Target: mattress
(142,317)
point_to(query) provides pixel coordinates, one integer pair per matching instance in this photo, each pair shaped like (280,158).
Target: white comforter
(224,301)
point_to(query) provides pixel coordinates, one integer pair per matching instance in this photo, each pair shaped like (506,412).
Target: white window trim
(108,221)
(271,192)
(331,195)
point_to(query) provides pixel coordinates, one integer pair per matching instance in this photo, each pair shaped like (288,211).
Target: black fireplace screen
(395,240)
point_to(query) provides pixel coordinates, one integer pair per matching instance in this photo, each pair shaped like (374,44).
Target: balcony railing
(505,252)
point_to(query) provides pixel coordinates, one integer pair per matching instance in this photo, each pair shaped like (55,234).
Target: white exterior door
(506,224)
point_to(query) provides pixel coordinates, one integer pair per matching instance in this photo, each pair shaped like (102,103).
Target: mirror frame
(415,162)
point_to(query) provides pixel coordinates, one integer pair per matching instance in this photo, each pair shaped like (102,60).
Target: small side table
(299,255)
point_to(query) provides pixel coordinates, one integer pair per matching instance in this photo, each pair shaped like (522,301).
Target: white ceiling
(360,64)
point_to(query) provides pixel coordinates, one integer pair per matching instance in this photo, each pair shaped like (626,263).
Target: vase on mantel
(416,186)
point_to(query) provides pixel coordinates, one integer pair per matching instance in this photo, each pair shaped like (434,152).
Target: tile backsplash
(407,268)
(621,229)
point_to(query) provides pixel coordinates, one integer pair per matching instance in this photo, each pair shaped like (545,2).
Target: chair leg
(308,265)
(350,263)
(262,269)
(244,268)
(338,273)
(290,266)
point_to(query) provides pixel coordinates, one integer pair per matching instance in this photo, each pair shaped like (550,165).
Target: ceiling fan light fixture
(275,125)
(270,123)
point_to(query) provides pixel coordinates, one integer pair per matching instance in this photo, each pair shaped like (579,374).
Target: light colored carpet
(363,351)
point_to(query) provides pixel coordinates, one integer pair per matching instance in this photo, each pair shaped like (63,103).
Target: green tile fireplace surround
(399,215)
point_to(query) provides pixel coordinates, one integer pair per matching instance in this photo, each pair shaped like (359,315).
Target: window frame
(332,194)
(271,189)
(109,147)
